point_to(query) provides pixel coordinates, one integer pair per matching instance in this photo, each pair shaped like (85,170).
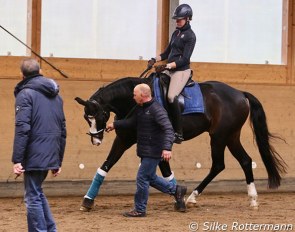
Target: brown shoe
(87,205)
(179,198)
(134,213)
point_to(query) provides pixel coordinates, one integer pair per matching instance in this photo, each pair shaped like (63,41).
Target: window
(13,15)
(103,29)
(228,31)
(237,31)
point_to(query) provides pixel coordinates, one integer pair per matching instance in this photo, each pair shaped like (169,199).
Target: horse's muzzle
(96,138)
(96,141)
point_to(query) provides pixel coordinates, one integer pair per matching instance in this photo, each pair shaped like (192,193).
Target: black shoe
(179,198)
(87,205)
(178,138)
(134,213)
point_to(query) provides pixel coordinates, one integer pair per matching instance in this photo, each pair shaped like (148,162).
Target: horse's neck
(118,96)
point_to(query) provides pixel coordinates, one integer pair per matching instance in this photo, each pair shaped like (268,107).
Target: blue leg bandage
(96,183)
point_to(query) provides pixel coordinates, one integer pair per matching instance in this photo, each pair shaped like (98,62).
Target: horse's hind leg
(217,154)
(166,171)
(245,161)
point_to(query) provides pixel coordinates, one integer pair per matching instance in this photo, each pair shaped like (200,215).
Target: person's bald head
(142,93)
(30,67)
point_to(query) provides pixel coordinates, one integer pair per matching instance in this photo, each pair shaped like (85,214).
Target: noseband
(95,134)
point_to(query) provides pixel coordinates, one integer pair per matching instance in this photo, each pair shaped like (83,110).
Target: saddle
(190,99)
(164,81)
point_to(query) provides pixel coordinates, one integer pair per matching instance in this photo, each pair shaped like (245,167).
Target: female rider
(178,54)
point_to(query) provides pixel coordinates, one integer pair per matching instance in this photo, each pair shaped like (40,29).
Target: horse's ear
(80,101)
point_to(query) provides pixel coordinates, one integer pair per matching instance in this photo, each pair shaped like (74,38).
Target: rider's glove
(160,68)
(151,62)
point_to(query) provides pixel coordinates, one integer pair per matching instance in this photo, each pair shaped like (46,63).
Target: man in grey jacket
(39,142)
(155,137)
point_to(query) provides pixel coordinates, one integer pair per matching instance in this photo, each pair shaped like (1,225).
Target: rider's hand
(151,62)
(160,68)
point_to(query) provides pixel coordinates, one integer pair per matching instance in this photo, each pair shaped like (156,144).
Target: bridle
(106,114)
(105,117)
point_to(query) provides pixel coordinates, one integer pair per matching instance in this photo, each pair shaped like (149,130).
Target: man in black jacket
(39,141)
(155,137)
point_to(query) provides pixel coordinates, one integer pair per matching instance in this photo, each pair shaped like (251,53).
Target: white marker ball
(198,165)
(254,165)
(81,166)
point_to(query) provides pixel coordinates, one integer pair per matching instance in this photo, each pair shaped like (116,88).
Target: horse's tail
(273,162)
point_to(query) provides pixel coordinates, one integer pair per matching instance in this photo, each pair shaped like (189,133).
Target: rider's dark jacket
(180,48)
(154,130)
(40,129)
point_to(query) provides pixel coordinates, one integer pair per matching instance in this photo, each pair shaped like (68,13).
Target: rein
(149,67)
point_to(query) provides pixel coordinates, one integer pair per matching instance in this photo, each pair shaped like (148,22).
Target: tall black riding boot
(176,120)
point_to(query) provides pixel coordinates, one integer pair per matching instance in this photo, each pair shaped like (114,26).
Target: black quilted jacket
(180,48)
(154,130)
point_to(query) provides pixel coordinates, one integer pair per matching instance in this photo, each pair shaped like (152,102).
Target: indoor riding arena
(86,45)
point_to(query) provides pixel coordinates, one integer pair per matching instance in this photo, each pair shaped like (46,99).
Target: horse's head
(96,117)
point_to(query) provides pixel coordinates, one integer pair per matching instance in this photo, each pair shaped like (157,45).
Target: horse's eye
(90,117)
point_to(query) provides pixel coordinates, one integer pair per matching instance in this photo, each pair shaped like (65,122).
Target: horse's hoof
(254,202)
(191,200)
(191,204)
(84,209)
(254,206)
(87,205)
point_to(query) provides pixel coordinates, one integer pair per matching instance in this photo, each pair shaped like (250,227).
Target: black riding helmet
(183,11)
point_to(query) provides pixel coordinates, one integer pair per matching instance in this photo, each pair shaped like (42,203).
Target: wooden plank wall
(108,70)
(278,102)
(274,85)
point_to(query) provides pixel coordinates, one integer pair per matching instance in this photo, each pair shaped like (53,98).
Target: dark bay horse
(226,111)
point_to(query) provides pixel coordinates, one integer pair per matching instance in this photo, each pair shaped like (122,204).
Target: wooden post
(162,25)
(34,27)
(291,45)
(287,34)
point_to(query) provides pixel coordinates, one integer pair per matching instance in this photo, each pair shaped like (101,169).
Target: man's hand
(166,155)
(55,172)
(18,169)
(110,127)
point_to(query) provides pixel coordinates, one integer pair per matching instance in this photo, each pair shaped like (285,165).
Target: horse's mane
(121,86)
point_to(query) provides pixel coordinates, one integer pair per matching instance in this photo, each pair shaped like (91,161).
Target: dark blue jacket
(40,128)
(180,48)
(154,130)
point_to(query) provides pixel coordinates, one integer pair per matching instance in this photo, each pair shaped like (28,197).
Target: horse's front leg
(118,148)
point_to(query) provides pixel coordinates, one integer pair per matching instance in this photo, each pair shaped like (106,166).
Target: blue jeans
(39,216)
(146,176)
